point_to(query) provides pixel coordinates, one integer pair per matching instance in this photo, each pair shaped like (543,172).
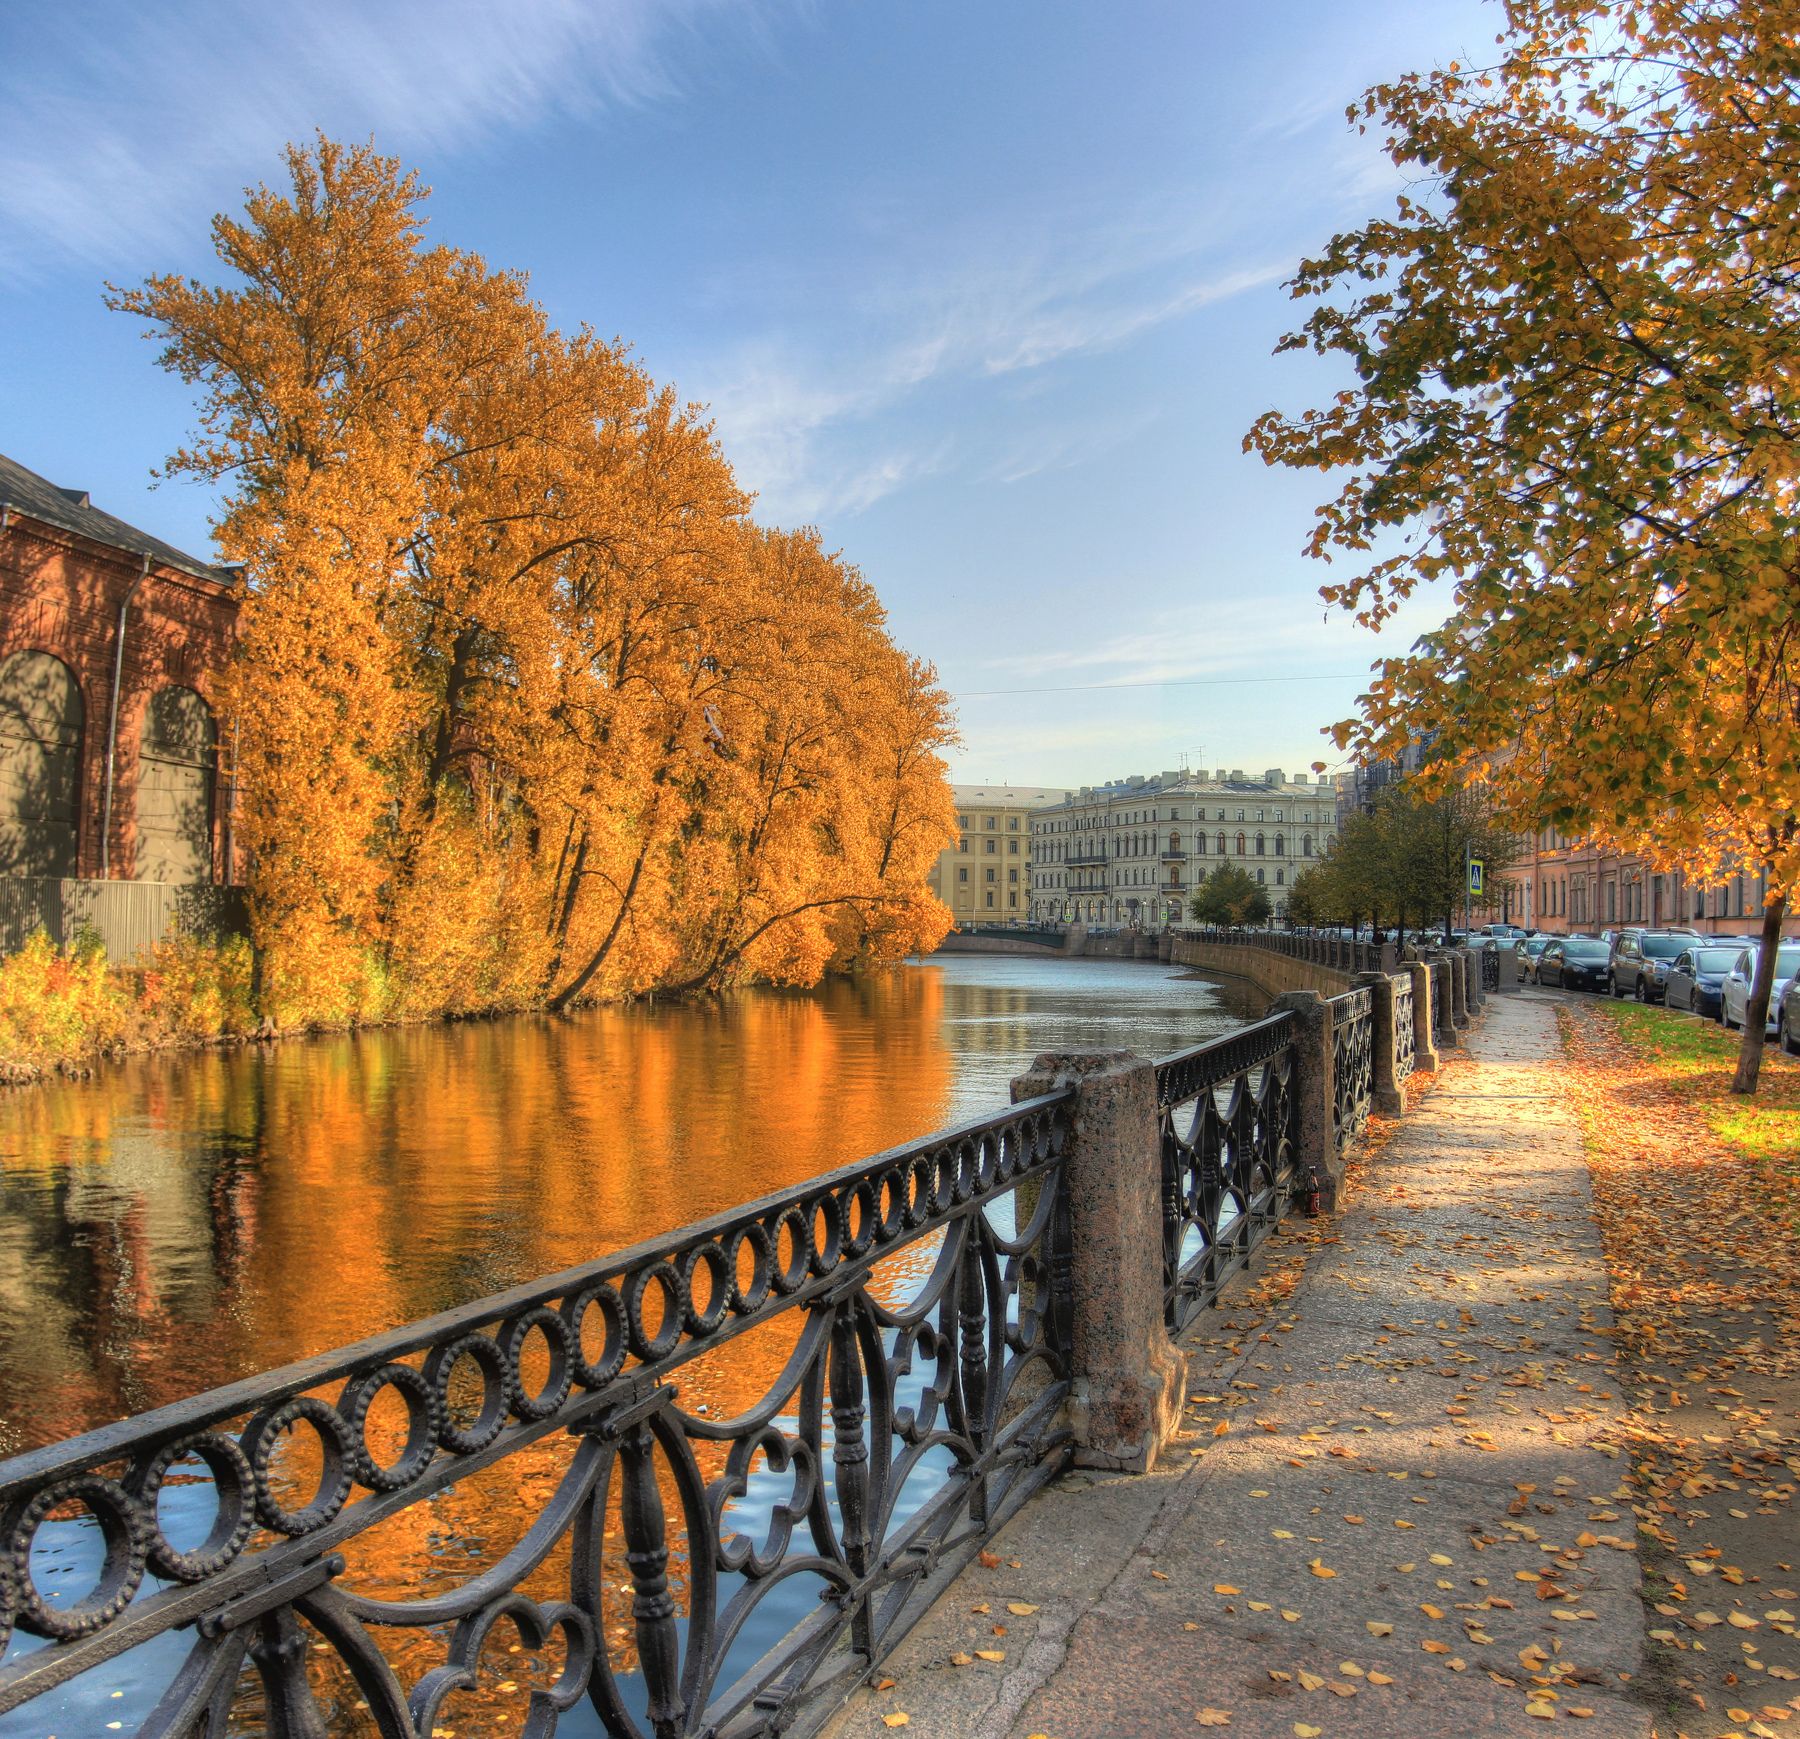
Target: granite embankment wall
(1270,972)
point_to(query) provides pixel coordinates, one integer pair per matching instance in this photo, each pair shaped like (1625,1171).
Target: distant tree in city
(1309,900)
(527,708)
(1574,399)
(1228,896)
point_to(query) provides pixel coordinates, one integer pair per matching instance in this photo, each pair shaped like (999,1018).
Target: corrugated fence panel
(128,916)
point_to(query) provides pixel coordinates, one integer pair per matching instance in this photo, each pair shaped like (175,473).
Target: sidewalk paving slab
(1346,1523)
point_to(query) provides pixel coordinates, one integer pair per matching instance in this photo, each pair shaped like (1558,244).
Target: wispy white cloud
(796,405)
(1260,634)
(119,137)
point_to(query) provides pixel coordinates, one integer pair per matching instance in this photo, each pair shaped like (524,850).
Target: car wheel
(1618,989)
(1642,994)
(1790,1043)
(1725,1019)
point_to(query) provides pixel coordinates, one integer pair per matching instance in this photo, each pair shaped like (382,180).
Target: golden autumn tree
(512,648)
(1575,401)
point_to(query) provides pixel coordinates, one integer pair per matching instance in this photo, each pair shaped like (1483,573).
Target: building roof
(1008,796)
(25,492)
(1296,787)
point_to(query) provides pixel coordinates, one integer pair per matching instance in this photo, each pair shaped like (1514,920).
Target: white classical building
(1131,853)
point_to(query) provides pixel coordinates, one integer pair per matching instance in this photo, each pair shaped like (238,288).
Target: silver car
(1734,993)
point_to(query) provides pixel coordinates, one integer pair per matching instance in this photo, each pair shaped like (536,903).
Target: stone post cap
(1051,1070)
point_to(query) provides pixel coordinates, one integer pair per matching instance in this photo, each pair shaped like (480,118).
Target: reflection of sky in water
(162,1223)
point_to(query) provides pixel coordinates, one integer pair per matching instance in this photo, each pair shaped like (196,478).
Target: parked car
(1574,963)
(1696,976)
(1734,993)
(1787,1020)
(1641,960)
(1529,950)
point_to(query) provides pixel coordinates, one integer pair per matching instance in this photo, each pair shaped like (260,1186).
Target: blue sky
(986,291)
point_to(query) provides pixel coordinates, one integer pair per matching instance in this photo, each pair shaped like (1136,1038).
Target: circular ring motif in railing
(890,1199)
(647,1347)
(336,1444)
(920,1186)
(9,1604)
(790,1273)
(595,1373)
(711,1256)
(514,1333)
(233,1484)
(861,1210)
(943,1179)
(124,1535)
(987,1161)
(745,1299)
(968,1168)
(421,1425)
(440,1367)
(827,1209)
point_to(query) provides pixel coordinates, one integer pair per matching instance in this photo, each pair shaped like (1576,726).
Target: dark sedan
(1575,963)
(1697,978)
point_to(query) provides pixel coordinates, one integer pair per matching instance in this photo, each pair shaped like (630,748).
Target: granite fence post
(1127,1382)
(1443,1009)
(1315,1152)
(1425,1055)
(1477,997)
(1387,1095)
(1509,971)
(1458,963)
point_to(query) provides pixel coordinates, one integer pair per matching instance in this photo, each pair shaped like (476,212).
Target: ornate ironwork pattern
(1352,1064)
(1406,1044)
(1227,1121)
(1490,969)
(910,1418)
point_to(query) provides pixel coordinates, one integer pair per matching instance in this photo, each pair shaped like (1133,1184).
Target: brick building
(1575,887)
(94,783)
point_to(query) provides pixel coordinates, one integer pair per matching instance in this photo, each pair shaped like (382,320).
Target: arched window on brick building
(41,718)
(174,795)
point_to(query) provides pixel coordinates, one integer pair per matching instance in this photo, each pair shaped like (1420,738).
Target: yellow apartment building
(985,878)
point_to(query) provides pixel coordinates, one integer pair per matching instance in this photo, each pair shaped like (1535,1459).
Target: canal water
(179,1222)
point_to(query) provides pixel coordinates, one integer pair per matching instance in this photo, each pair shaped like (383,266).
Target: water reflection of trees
(173,1225)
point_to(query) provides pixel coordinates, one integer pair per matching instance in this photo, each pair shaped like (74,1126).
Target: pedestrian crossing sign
(1476,867)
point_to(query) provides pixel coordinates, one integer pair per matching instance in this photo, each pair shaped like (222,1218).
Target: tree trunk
(1756,1010)
(559,1003)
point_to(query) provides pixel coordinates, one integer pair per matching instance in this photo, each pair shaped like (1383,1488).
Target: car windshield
(1714,960)
(1585,948)
(1535,944)
(1666,947)
(1787,962)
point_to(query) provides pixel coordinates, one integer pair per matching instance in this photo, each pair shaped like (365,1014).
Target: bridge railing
(873,1375)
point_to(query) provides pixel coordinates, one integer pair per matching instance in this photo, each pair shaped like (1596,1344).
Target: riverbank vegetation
(1570,339)
(528,708)
(62,1008)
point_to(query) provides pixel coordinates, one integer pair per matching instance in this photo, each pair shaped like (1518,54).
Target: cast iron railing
(1352,1064)
(1226,1114)
(1406,1043)
(1490,969)
(920,1305)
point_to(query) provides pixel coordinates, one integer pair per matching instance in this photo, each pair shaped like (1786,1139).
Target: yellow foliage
(527,708)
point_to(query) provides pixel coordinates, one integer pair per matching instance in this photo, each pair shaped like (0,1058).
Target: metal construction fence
(128,917)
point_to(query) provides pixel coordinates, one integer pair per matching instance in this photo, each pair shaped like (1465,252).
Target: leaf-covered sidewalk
(1700,1212)
(1400,1509)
